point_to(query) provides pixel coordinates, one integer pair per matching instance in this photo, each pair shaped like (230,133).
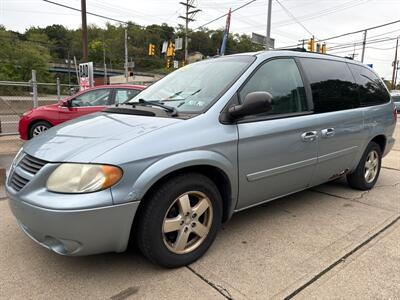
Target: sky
(292,20)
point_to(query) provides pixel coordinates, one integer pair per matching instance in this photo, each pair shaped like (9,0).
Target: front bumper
(77,232)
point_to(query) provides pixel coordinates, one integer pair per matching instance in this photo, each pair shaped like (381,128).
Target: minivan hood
(83,139)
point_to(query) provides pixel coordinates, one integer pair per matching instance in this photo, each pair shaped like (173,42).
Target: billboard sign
(86,79)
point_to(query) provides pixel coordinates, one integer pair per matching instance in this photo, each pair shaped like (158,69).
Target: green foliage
(18,58)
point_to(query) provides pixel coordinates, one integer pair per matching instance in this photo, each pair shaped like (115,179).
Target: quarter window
(371,89)
(124,95)
(332,85)
(281,78)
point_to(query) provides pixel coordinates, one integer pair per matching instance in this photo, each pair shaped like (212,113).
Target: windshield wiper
(167,108)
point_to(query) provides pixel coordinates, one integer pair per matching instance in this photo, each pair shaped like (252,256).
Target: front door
(277,151)
(86,103)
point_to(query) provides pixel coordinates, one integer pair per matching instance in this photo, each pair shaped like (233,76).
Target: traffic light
(171,50)
(152,49)
(311,45)
(323,48)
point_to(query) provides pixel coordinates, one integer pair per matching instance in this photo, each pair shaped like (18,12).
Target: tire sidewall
(41,123)
(371,147)
(193,182)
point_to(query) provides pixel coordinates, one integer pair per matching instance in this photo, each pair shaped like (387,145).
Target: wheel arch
(33,122)
(210,164)
(381,141)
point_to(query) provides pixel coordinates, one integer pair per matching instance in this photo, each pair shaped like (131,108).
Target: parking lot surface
(328,242)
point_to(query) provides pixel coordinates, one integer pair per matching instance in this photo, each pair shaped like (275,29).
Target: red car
(92,100)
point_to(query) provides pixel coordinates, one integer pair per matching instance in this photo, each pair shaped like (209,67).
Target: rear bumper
(77,232)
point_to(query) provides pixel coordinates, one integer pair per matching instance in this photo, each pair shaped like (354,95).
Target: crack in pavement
(340,260)
(220,289)
(389,168)
(356,199)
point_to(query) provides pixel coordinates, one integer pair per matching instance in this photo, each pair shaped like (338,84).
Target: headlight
(83,178)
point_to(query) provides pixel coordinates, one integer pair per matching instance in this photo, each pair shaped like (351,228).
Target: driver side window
(281,78)
(98,97)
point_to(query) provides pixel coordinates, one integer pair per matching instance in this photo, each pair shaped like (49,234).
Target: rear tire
(169,231)
(367,172)
(38,128)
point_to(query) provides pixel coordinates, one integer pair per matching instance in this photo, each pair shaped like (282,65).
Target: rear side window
(371,89)
(281,78)
(332,85)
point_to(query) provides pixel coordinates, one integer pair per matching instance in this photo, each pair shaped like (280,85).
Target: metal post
(58,89)
(34,89)
(126,55)
(395,65)
(268,35)
(85,53)
(363,48)
(105,65)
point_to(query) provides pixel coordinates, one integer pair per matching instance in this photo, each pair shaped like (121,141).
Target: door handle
(328,132)
(309,136)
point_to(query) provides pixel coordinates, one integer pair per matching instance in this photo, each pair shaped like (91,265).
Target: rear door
(277,151)
(341,126)
(86,103)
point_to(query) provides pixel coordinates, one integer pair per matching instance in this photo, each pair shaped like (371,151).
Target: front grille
(18,182)
(29,164)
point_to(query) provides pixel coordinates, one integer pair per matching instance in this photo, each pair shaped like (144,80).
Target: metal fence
(19,97)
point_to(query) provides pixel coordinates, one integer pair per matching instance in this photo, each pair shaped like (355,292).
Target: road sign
(131,64)
(164,47)
(178,44)
(260,40)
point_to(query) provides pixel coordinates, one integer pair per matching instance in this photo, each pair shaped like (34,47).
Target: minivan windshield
(194,87)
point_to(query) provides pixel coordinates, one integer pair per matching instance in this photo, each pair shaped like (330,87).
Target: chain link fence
(19,97)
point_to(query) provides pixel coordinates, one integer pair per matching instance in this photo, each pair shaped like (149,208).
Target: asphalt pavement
(329,242)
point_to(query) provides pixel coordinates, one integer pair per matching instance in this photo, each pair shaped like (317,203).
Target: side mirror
(254,103)
(67,103)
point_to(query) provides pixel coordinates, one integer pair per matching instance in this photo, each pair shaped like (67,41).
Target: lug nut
(194,215)
(193,224)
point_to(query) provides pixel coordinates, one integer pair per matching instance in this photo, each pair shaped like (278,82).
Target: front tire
(368,169)
(180,220)
(38,128)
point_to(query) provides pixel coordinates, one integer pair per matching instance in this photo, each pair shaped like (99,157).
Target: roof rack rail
(298,49)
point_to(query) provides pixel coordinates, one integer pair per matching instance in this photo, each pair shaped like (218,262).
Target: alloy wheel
(187,222)
(371,166)
(39,129)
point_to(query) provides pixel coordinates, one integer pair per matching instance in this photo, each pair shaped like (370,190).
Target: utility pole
(268,35)
(126,55)
(395,65)
(85,53)
(189,14)
(363,48)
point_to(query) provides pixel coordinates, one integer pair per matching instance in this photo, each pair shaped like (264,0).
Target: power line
(224,15)
(293,17)
(359,31)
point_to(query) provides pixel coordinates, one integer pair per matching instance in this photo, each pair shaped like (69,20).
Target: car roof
(113,86)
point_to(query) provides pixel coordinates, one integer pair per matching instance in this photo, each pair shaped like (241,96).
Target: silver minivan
(208,140)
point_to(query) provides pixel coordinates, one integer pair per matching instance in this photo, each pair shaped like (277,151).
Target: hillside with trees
(37,47)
